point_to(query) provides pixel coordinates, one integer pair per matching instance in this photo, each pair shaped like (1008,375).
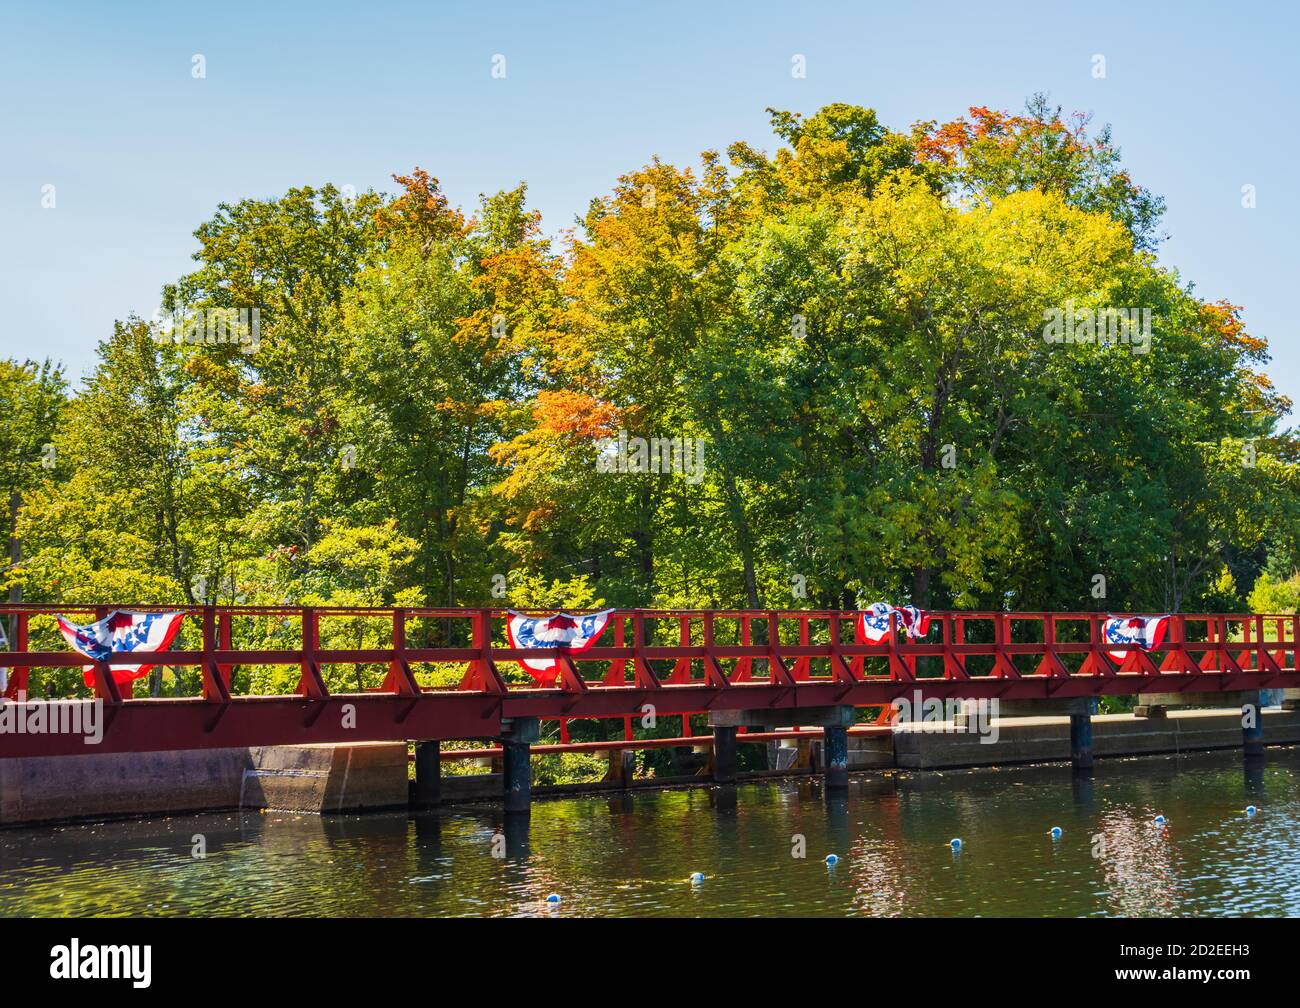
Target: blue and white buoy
(1056,832)
(1251,810)
(955,843)
(832,860)
(553,898)
(1160,820)
(697,877)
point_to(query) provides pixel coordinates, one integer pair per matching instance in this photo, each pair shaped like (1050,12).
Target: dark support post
(427,792)
(518,769)
(1081,741)
(516,765)
(1252,725)
(622,767)
(724,754)
(837,755)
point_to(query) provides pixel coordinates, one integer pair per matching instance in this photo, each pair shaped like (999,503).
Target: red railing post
(645,676)
(215,687)
(841,671)
(859,662)
(803,665)
(106,687)
(400,679)
(713,672)
(18,674)
(682,667)
(617,673)
(399,642)
(481,673)
(778,672)
(311,683)
(224,640)
(744,670)
(899,670)
(1002,662)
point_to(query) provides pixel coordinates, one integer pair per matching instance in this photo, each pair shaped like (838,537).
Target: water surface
(633,854)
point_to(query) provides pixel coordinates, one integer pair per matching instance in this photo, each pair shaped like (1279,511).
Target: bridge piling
(1081,742)
(836,738)
(724,754)
(427,789)
(518,735)
(1252,725)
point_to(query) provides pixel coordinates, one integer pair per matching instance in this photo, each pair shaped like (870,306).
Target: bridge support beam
(837,755)
(1081,742)
(622,767)
(1252,725)
(427,790)
(518,735)
(724,754)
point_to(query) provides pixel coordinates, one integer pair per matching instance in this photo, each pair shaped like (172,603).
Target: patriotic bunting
(1144,632)
(121,632)
(875,621)
(560,631)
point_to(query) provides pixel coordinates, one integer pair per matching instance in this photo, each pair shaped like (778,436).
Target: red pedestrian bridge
(443,674)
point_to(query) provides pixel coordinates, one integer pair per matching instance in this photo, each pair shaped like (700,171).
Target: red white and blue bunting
(560,631)
(875,621)
(1144,632)
(121,632)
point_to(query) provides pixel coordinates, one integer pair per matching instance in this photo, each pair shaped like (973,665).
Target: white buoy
(1251,810)
(955,843)
(1160,820)
(553,898)
(1056,832)
(832,860)
(697,877)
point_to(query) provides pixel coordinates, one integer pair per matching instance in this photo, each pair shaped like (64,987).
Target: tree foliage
(852,325)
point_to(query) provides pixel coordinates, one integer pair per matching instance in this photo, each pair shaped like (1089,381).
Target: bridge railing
(653,649)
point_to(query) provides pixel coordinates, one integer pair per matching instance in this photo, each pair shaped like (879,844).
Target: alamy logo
(214,327)
(102,962)
(955,715)
(53,717)
(1127,326)
(683,456)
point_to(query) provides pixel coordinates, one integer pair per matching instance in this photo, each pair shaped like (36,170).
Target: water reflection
(634,853)
(1136,859)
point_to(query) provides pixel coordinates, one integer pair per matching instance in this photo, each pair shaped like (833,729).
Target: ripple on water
(633,855)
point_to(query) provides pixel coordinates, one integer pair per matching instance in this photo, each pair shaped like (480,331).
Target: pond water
(633,854)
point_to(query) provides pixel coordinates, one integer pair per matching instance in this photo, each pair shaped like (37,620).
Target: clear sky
(100,101)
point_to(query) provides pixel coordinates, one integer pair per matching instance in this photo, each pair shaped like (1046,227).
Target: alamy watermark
(53,717)
(212,327)
(1125,326)
(75,961)
(682,456)
(954,715)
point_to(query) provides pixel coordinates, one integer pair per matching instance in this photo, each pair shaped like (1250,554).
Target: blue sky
(102,104)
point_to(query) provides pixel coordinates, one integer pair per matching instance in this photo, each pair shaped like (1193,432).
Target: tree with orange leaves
(992,154)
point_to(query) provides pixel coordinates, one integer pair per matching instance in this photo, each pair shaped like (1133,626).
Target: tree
(32,398)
